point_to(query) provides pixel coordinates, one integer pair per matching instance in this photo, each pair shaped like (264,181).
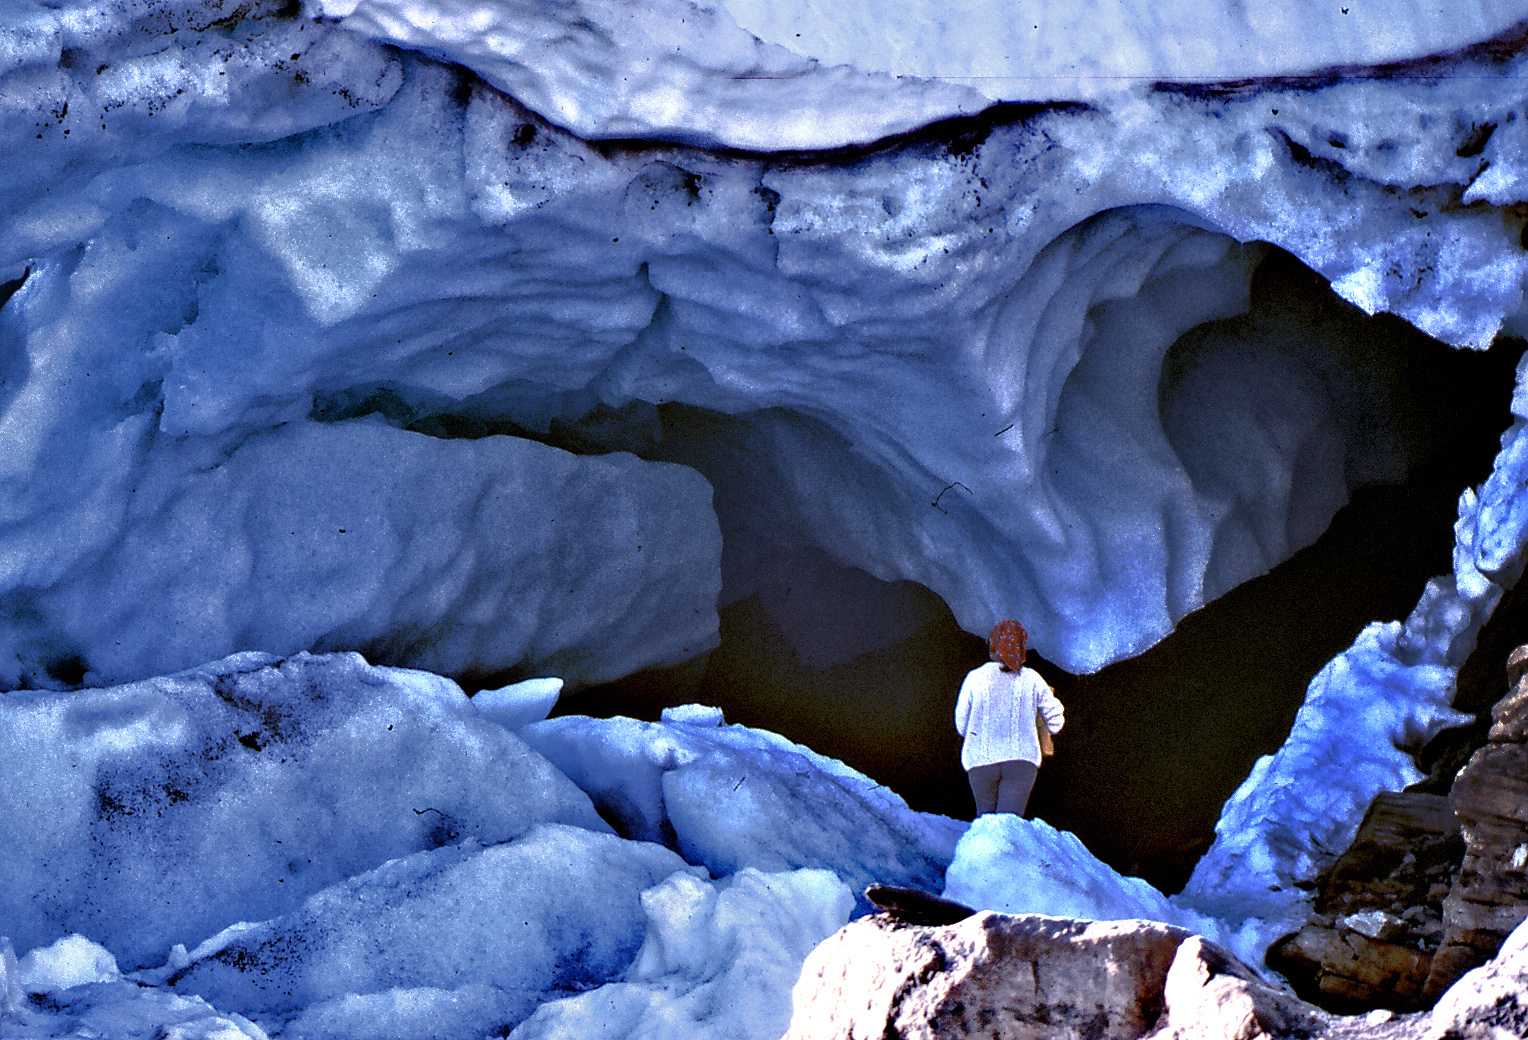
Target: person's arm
(963,706)
(1050,709)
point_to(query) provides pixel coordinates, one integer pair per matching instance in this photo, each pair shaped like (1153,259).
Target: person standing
(999,711)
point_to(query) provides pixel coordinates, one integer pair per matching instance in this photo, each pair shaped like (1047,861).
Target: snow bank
(718,963)
(730,798)
(156,813)
(554,909)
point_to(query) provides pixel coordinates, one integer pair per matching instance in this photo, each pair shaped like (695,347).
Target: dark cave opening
(1155,744)
(868,671)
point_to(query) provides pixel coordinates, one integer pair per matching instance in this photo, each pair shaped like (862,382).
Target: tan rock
(1209,995)
(992,975)
(1491,1002)
(1351,971)
(1009,977)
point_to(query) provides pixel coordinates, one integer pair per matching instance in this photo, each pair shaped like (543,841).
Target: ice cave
(499,495)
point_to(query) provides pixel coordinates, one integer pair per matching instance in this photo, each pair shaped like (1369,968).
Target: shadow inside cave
(1153,745)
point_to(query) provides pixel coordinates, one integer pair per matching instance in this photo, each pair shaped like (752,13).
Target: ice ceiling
(506,339)
(230,228)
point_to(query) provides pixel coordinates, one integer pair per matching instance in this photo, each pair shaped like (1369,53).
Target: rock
(1378,910)
(1489,896)
(991,973)
(1430,886)
(1490,1002)
(911,906)
(1210,995)
(1347,971)
(1013,976)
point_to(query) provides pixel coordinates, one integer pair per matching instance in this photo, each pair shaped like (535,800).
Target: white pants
(1002,786)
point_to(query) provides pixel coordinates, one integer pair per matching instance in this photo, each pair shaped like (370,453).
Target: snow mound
(731,798)
(153,814)
(554,909)
(1018,866)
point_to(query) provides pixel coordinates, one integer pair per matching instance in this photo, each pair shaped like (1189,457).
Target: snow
(352,851)
(1018,866)
(715,964)
(278,545)
(71,961)
(554,909)
(1363,714)
(518,704)
(152,814)
(296,322)
(806,74)
(731,797)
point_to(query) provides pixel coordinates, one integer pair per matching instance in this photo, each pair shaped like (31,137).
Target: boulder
(1491,1001)
(1019,976)
(1489,896)
(1378,909)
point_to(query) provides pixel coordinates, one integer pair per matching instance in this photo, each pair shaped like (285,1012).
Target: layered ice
(771,75)
(964,336)
(467,557)
(157,813)
(730,797)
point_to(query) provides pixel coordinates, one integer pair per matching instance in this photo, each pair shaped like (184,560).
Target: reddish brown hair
(1009,643)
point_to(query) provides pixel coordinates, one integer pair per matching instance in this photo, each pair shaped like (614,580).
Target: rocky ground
(1016,977)
(1432,884)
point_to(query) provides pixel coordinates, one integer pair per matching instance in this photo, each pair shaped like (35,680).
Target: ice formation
(297,326)
(771,75)
(352,851)
(728,797)
(965,338)
(160,812)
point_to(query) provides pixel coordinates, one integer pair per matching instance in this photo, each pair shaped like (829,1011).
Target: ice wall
(962,336)
(767,75)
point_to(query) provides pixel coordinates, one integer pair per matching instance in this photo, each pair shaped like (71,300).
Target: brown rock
(1489,896)
(1347,971)
(1210,995)
(991,975)
(1379,912)
(1401,841)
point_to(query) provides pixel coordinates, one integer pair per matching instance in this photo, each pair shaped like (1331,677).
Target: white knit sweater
(996,714)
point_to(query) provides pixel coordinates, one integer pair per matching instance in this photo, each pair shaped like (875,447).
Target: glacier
(507,341)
